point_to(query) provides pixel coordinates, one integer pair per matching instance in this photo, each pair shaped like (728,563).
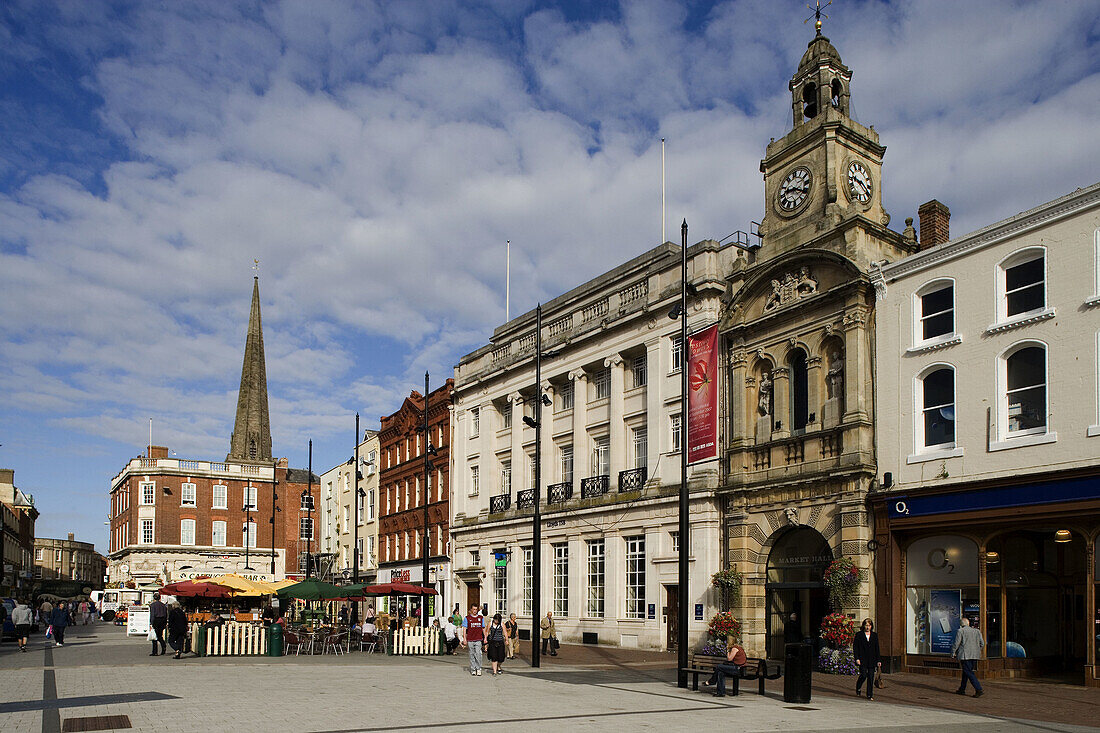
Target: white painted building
(610,458)
(337,513)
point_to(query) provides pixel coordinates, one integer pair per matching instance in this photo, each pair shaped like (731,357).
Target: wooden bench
(753,669)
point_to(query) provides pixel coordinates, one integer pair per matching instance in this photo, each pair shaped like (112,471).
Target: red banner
(702,422)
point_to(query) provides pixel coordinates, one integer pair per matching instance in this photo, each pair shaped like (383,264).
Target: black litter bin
(797,673)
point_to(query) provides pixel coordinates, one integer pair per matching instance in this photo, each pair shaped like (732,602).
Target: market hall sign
(1082,489)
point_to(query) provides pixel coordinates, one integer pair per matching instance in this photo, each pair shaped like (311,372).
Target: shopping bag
(554,644)
(879,683)
(49,631)
(152,635)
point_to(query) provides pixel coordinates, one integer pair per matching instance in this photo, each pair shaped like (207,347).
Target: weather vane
(818,14)
(256,263)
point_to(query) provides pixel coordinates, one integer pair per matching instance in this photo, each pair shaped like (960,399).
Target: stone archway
(794,594)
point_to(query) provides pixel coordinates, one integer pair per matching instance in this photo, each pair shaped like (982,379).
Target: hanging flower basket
(728,583)
(842,579)
(722,625)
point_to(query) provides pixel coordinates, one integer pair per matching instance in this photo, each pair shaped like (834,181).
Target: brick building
(68,559)
(17,518)
(401,509)
(173,518)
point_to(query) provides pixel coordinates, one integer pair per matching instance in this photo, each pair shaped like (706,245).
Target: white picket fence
(416,641)
(234,639)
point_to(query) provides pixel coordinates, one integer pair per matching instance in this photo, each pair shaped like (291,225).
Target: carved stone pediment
(793,287)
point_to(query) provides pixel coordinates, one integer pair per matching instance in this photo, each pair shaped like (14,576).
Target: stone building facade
(17,518)
(610,458)
(402,445)
(797,325)
(988,444)
(68,559)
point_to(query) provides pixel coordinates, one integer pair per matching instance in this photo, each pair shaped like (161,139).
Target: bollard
(275,640)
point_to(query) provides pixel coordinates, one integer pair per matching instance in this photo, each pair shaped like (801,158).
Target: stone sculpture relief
(793,287)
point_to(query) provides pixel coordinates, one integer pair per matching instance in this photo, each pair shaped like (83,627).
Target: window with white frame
(935,311)
(148,493)
(505,477)
(675,426)
(595,595)
(475,422)
(39,554)
(307,502)
(248,533)
(146,527)
(528,571)
(187,531)
(1023,283)
(561,579)
(219,494)
(474,480)
(370,505)
(601,382)
(359,549)
(674,536)
(500,590)
(250,497)
(57,556)
(566,453)
(677,354)
(936,396)
(370,549)
(187,494)
(601,456)
(531,468)
(566,396)
(360,507)
(217,533)
(641,447)
(635,577)
(638,370)
(506,414)
(1024,401)
(305,528)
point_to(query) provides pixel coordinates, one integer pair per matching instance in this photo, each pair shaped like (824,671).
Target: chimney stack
(71,537)
(935,219)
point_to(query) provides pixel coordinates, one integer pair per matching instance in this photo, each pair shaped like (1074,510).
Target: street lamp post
(274,498)
(309,512)
(682,577)
(355,473)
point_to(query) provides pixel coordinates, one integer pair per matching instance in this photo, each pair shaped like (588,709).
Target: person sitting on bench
(735,660)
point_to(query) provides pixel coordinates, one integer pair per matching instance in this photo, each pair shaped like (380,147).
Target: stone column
(518,457)
(614,576)
(577,581)
(551,465)
(617,460)
(813,391)
(658,432)
(855,531)
(781,384)
(855,364)
(737,366)
(580,427)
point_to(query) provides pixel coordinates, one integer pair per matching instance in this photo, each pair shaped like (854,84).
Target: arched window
(1022,284)
(1024,396)
(836,89)
(934,309)
(809,100)
(800,403)
(936,399)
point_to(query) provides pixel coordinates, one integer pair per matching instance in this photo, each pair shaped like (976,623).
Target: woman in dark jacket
(177,629)
(495,636)
(865,648)
(59,619)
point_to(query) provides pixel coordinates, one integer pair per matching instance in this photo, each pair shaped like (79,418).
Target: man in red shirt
(735,660)
(473,637)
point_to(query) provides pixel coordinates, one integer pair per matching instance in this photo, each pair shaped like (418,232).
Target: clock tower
(827,169)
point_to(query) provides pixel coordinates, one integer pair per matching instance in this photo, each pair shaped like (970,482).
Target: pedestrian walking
(85,612)
(473,636)
(968,650)
(867,655)
(158,621)
(59,619)
(549,634)
(44,612)
(496,644)
(735,660)
(177,628)
(23,617)
(511,636)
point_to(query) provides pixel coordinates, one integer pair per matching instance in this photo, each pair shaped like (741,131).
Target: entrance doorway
(672,616)
(473,597)
(795,592)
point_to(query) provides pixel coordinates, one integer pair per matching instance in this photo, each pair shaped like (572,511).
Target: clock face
(859,182)
(794,189)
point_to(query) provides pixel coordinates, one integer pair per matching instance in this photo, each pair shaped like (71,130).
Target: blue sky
(376,156)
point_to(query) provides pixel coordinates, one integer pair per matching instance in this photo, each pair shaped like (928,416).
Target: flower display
(837,630)
(728,583)
(837,661)
(723,624)
(714,648)
(842,579)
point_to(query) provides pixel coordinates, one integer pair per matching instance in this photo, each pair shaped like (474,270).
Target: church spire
(251,439)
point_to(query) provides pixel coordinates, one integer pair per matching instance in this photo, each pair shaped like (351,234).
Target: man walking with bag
(968,650)
(549,634)
(158,620)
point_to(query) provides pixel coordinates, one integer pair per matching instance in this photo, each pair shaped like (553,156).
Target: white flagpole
(508,282)
(149,447)
(663,230)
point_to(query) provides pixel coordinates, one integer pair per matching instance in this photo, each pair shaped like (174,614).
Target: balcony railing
(632,480)
(595,486)
(498,504)
(525,499)
(559,493)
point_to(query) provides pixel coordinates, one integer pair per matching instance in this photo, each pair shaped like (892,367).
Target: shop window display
(942,585)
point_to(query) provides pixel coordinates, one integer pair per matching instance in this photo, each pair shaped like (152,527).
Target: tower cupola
(821,82)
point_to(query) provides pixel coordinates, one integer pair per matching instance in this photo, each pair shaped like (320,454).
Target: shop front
(409,606)
(1018,561)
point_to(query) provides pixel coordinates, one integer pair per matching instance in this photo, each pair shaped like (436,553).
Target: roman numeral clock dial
(860,184)
(794,190)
